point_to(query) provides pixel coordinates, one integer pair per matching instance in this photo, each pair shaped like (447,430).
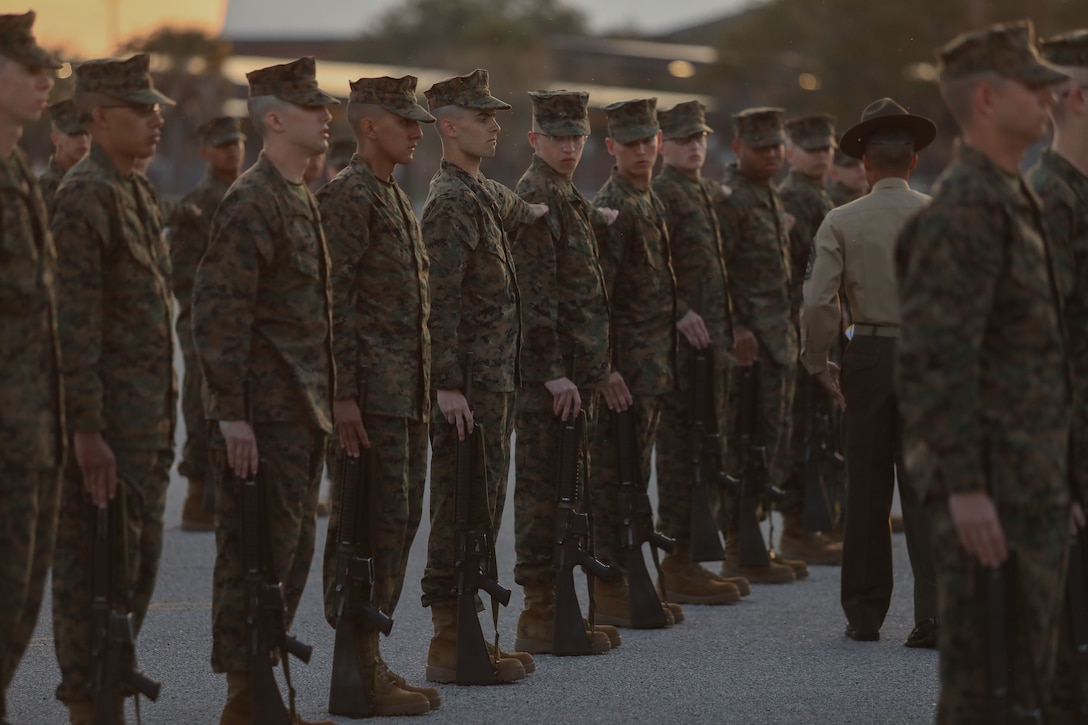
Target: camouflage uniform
(702,284)
(190,227)
(262,313)
(66,121)
(31,418)
(114,317)
(984,384)
(476,307)
(841,194)
(565,314)
(807,200)
(637,263)
(757,256)
(381,302)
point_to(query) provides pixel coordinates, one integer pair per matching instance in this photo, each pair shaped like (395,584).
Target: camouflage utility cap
(1007,49)
(812,132)
(683,121)
(845,160)
(396,95)
(759,127)
(126,80)
(561,113)
(631,120)
(294,82)
(17,42)
(467,91)
(220,130)
(65,117)
(1068,49)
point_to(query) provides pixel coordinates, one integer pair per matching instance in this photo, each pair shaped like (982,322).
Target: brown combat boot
(81,713)
(613,633)
(688,582)
(811,547)
(771,574)
(614,605)
(536,625)
(800,568)
(236,711)
(434,697)
(386,696)
(442,654)
(193,515)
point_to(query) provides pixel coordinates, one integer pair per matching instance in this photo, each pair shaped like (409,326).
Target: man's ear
(610,145)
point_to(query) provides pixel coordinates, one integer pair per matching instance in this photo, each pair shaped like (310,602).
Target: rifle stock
(350,691)
(475,665)
(266,609)
(705,543)
(113,651)
(636,515)
(819,456)
(1077,613)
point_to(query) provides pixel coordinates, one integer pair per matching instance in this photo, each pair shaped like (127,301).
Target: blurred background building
(803,55)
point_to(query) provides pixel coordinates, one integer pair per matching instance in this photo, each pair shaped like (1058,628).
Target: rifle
(636,514)
(113,633)
(572,544)
(266,628)
(351,692)
(705,448)
(997,588)
(475,564)
(1076,607)
(754,481)
(819,456)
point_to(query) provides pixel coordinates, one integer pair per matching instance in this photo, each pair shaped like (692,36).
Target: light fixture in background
(681,69)
(809,82)
(65,70)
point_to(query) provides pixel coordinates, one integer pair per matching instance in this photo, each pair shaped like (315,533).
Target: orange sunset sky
(83,26)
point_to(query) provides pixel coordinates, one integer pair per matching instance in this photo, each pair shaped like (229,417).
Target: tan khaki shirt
(855,250)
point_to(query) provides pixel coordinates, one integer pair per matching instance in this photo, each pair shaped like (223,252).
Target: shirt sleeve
(820,313)
(536,270)
(81,232)
(450,234)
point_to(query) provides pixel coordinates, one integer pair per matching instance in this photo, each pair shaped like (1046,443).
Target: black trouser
(873,456)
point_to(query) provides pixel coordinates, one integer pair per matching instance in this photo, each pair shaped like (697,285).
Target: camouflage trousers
(194,454)
(604,486)
(494,414)
(142,477)
(292,457)
(774,401)
(1034,510)
(535,483)
(28,519)
(674,464)
(394,502)
(793,453)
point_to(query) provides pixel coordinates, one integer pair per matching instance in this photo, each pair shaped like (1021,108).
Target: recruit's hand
(98,464)
(349,423)
(979,527)
(565,397)
(242,453)
(610,215)
(616,395)
(830,380)
(745,346)
(454,406)
(692,327)
(539,210)
(791,220)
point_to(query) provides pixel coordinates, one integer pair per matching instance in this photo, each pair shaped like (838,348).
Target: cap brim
(687,131)
(764,140)
(565,128)
(71,127)
(309,97)
(921,129)
(489,103)
(812,144)
(627,134)
(1043,73)
(225,138)
(413,112)
(150,96)
(39,57)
